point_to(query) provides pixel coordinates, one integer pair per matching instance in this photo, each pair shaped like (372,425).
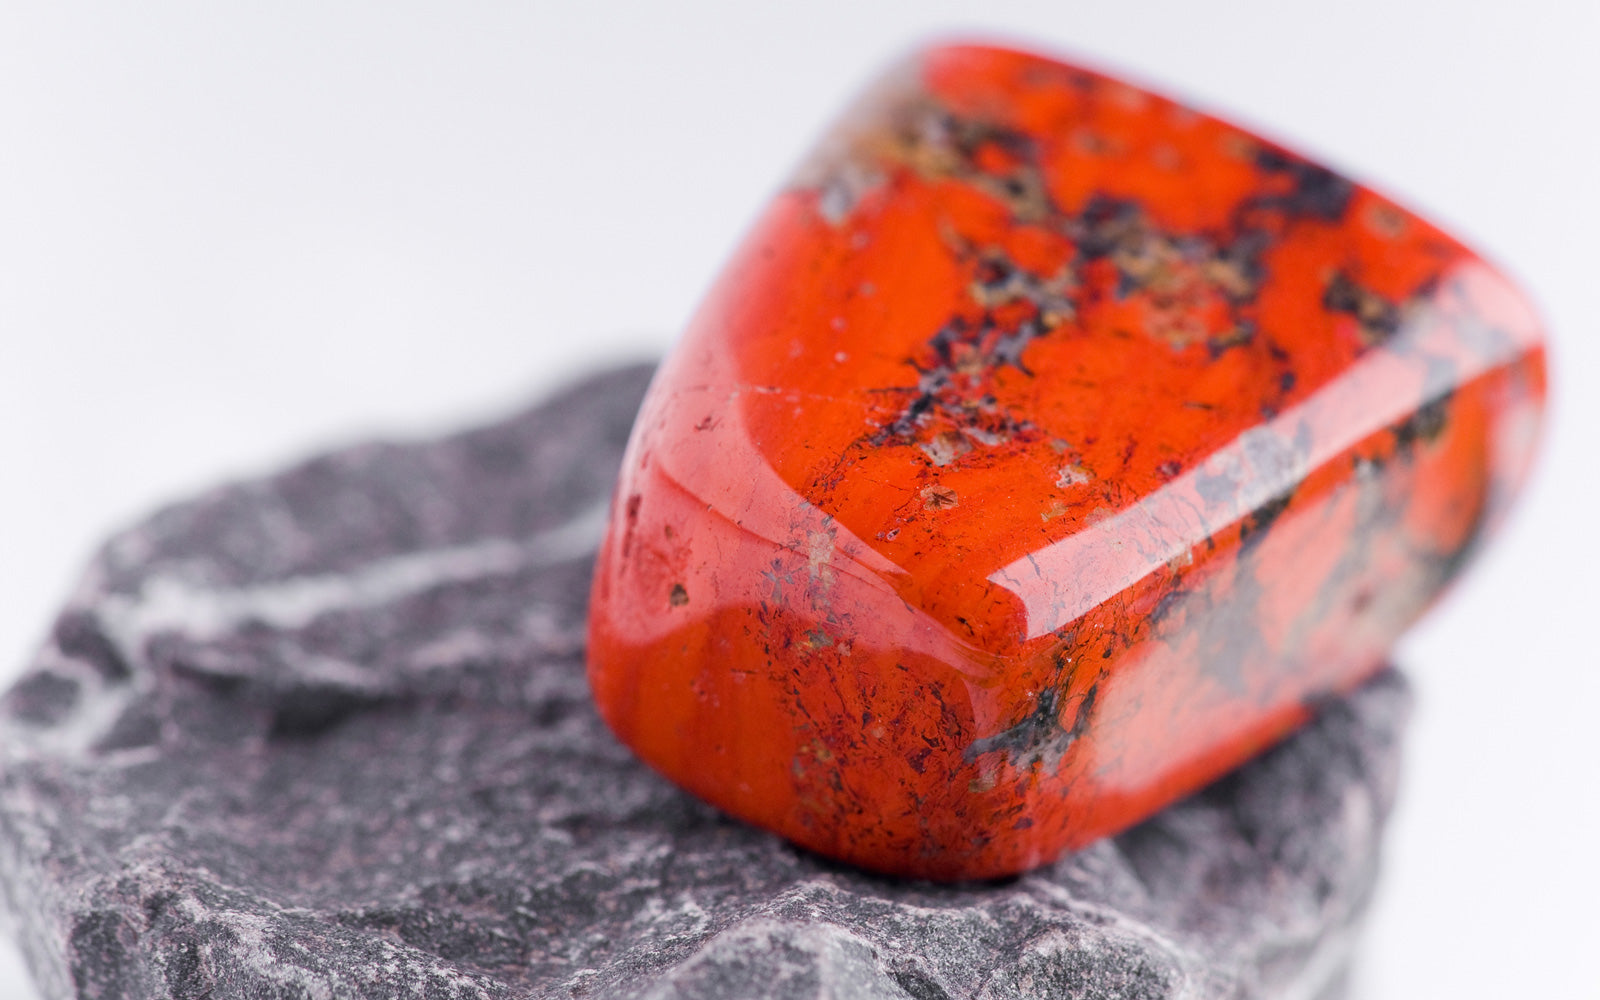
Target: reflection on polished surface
(1046,450)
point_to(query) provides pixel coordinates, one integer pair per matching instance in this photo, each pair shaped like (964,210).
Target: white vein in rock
(173,604)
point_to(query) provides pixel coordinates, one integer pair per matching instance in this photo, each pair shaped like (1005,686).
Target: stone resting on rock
(327,735)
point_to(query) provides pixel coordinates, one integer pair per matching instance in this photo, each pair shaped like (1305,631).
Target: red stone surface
(1047,450)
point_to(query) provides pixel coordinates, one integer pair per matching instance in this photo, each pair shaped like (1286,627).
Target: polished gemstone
(1047,450)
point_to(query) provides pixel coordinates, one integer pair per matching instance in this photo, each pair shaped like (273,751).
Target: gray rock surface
(326,735)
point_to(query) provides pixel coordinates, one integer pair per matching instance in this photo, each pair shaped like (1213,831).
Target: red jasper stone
(1047,450)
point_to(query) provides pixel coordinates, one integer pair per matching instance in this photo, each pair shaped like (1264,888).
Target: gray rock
(326,735)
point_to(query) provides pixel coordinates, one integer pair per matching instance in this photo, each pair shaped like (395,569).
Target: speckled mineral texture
(1045,452)
(326,735)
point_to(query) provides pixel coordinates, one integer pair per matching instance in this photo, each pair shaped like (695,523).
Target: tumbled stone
(1047,450)
(326,735)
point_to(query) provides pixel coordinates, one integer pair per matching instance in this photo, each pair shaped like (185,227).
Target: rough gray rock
(326,735)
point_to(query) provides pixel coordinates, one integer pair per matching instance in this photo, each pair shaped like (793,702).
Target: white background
(229,237)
